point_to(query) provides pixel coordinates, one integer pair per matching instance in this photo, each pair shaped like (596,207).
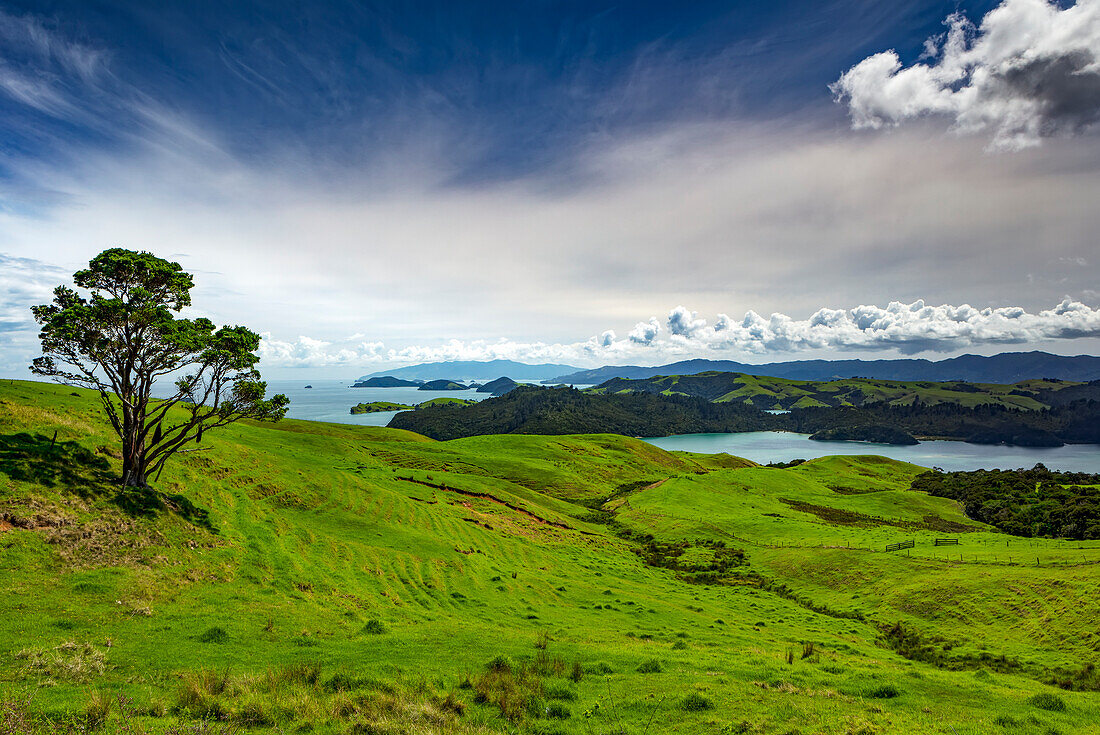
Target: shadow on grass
(38,459)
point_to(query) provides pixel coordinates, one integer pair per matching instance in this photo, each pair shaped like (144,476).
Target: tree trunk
(133,460)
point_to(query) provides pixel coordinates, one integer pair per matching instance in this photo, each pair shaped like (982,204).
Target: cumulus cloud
(644,333)
(683,323)
(1030,70)
(906,328)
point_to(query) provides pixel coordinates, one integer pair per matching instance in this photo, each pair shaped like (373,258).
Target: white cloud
(683,323)
(1030,70)
(907,328)
(644,333)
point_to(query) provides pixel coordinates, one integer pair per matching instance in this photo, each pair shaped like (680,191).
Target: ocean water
(331,400)
(781,446)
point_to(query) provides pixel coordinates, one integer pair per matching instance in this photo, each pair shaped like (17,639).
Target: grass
(359,579)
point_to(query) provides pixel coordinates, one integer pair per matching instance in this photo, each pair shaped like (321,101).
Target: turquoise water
(781,446)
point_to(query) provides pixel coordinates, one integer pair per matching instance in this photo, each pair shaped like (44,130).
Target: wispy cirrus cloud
(1030,70)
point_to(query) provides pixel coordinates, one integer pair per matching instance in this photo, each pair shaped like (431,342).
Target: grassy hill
(310,577)
(782,394)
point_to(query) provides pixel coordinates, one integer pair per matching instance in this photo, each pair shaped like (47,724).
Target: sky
(378,184)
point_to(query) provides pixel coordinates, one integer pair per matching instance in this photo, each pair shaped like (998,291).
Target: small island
(874,433)
(386,381)
(498,387)
(379,406)
(443,385)
(446,403)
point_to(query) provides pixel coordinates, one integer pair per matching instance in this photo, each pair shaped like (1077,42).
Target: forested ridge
(532,410)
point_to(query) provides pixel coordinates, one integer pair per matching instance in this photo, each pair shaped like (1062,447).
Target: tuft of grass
(97,710)
(885,691)
(651,666)
(69,661)
(374,627)
(1049,702)
(558,711)
(215,634)
(695,702)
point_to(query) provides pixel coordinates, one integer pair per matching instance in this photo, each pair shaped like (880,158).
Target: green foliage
(1035,502)
(123,337)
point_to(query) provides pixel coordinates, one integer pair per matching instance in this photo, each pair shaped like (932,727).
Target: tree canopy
(125,335)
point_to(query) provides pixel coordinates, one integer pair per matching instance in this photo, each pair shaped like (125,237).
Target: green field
(780,393)
(311,577)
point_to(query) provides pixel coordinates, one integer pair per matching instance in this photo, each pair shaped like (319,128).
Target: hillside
(1007,367)
(531,410)
(780,393)
(334,579)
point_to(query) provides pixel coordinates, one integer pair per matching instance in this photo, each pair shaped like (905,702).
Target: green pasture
(311,577)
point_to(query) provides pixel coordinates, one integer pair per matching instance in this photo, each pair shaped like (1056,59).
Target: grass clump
(374,627)
(695,702)
(1049,702)
(558,711)
(560,691)
(213,635)
(885,691)
(652,666)
(69,661)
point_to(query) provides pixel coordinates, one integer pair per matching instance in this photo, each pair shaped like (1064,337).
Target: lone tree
(125,336)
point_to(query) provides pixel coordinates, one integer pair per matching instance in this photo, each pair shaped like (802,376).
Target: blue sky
(389,182)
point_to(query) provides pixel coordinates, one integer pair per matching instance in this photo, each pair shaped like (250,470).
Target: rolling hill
(311,577)
(785,394)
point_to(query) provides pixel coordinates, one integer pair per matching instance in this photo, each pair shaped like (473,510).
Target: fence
(900,545)
(945,542)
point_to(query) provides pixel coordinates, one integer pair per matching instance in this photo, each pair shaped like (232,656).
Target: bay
(781,446)
(331,400)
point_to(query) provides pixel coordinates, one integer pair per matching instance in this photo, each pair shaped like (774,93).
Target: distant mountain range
(473,370)
(1007,367)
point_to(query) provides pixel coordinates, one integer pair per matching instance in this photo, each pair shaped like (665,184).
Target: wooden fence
(900,545)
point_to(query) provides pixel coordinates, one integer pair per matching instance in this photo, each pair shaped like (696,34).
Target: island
(386,381)
(308,386)
(446,403)
(875,433)
(498,387)
(442,385)
(379,406)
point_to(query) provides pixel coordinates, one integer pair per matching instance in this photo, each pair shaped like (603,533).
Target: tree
(125,336)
